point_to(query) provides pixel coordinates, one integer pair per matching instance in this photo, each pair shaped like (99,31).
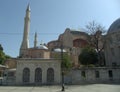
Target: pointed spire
(28,7)
(28,11)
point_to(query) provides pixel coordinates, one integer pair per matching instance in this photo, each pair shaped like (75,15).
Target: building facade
(38,71)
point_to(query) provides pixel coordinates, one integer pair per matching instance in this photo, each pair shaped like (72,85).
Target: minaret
(25,41)
(35,40)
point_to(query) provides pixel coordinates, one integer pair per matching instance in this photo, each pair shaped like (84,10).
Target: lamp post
(62,70)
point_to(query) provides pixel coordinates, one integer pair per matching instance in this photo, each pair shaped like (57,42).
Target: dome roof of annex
(59,50)
(41,46)
(115,26)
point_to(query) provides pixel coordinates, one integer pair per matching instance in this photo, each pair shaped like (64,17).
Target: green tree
(65,59)
(66,64)
(97,32)
(3,56)
(1,48)
(88,56)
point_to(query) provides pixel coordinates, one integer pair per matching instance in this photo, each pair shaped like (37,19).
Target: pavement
(69,88)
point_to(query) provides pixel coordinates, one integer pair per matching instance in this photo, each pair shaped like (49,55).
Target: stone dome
(115,26)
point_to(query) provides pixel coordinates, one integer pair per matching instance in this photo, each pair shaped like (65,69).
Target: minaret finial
(28,7)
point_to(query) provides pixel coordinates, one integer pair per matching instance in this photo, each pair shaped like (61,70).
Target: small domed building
(112,45)
(34,65)
(40,51)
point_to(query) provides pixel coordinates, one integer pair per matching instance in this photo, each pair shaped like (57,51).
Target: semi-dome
(115,26)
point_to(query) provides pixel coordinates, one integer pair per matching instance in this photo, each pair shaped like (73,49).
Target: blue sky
(50,18)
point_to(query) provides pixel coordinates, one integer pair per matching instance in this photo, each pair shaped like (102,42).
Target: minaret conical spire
(28,7)
(28,11)
(25,41)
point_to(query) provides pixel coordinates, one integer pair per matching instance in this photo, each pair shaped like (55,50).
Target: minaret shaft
(25,41)
(26,32)
(35,40)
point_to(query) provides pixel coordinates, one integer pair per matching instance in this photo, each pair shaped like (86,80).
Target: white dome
(115,26)
(42,47)
(59,50)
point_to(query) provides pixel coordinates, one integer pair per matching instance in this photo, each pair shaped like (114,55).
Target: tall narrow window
(26,75)
(97,75)
(83,74)
(110,74)
(119,51)
(38,75)
(0,73)
(50,76)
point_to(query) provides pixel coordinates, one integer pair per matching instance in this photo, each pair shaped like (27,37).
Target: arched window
(50,75)
(26,75)
(38,75)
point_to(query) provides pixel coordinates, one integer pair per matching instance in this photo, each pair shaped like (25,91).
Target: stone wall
(93,75)
(9,77)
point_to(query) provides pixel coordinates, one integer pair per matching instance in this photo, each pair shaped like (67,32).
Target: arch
(80,43)
(38,75)
(26,75)
(50,75)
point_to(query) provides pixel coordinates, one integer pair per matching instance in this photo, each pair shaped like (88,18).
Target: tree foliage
(97,32)
(1,48)
(93,27)
(3,56)
(88,56)
(66,64)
